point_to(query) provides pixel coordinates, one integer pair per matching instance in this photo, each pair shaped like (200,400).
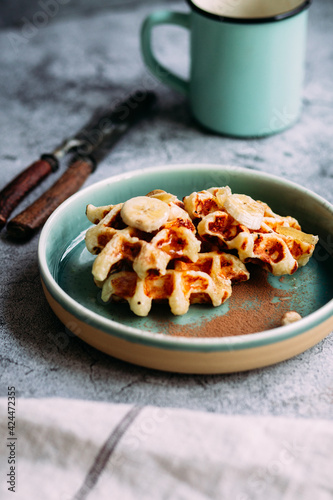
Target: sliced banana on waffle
(145,213)
(245,210)
(221,194)
(297,235)
(163,196)
(96,214)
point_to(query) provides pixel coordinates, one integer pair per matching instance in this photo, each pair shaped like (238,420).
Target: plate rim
(242,341)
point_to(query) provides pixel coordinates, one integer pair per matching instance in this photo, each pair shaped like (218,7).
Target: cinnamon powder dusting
(254,306)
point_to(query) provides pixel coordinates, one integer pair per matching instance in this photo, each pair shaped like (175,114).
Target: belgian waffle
(158,248)
(207,280)
(278,253)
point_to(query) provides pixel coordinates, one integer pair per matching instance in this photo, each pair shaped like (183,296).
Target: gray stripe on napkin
(106,452)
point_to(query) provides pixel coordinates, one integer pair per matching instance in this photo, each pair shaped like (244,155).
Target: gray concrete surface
(51,82)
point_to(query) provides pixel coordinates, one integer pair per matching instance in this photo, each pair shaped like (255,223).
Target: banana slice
(163,196)
(222,195)
(245,210)
(155,192)
(144,213)
(298,235)
(96,214)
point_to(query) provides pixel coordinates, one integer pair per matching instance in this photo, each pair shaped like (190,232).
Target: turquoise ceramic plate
(167,342)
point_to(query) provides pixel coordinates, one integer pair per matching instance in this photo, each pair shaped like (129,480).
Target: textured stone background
(52,79)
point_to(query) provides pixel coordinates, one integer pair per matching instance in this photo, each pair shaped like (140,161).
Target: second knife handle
(19,187)
(25,224)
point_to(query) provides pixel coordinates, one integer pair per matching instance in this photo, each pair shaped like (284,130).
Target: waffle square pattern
(159,248)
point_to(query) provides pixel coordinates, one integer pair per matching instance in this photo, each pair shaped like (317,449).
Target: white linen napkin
(77,450)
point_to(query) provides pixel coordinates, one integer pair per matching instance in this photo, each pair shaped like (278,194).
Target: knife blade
(101,124)
(87,156)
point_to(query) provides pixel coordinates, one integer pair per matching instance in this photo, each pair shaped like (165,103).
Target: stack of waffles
(159,248)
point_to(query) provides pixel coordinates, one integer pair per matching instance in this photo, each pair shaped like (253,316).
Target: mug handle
(161,72)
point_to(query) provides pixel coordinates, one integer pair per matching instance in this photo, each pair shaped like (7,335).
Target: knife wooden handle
(19,187)
(26,223)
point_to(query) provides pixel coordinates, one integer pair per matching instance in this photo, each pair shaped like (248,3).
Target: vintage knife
(88,154)
(118,120)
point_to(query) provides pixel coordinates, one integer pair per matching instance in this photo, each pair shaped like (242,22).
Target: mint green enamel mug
(246,63)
